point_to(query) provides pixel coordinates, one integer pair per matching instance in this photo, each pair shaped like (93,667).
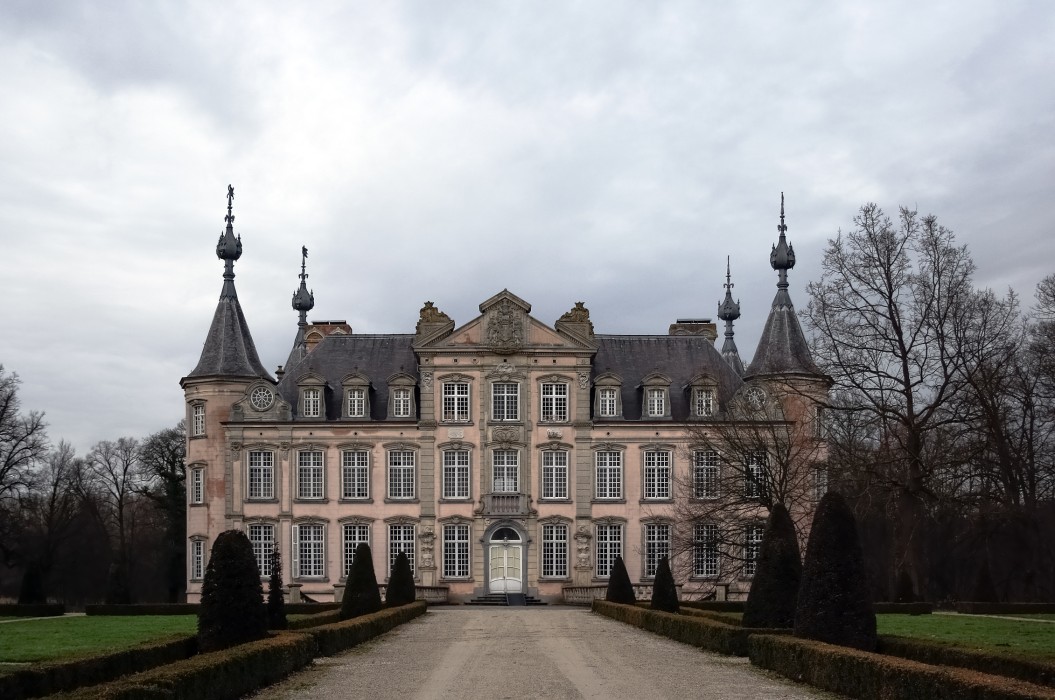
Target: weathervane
(230,201)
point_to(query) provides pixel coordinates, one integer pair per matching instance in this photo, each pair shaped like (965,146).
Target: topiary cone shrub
(984,588)
(361,595)
(775,588)
(276,600)
(32,591)
(232,599)
(664,592)
(833,603)
(904,592)
(620,590)
(401,589)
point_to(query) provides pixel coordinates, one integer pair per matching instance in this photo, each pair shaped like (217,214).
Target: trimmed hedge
(1011,666)
(191,609)
(336,637)
(57,676)
(323,618)
(732,606)
(724,618)
(688,629)
(32,610)
(862,674)
(978,608)
(920,608)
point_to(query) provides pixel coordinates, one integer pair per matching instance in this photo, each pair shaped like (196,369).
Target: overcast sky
(607,152)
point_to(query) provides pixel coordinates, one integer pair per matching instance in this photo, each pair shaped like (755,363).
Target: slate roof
(377,357)
(634,357)
(229,349)
(782,349)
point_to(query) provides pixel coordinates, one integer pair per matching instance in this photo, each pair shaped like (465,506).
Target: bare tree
(163,458)
(23,443)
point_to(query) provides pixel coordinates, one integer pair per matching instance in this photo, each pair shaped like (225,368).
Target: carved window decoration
(261,398)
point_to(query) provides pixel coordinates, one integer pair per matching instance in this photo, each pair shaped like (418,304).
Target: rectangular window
(609,545)
(705,474)
(505,465)
(401,474)
(555,403)
(357,403)
(197,560)
(555,551)
(456,551)
(456,474)
(262,537)
(752,547)
(355,474)
(755,475)
(455,402)
(198,420)
(820,483)
(703,402)
(554,474)
(657,546)
(197,485)
(657,475)
(309,550)
(705,550)
(312,403)
(261,475)
(606,403)
(401,403)
(353,535)
(657,403)
(820,422)
(505,401)
(400,539)
(609,474)
(309,475)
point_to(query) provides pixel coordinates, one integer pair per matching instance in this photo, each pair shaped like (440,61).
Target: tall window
(309,550)
(197,560)
(309,475)
(357,403)
(401,403)
(352,535)
(456,551)
(609,474)
(657,403)
(609,545)
(261,474)
(262,537)
(400,539)
(312,403)
(606,402)
(198,420)
(456,474)
(657,475)
(705,550)
(703,402)
(555,550)
(752,547)
(505,465)
(705,474)
(820,483)
(755,475)
(554,474)
(657,546)
(355,474)
(455,401)
(505,401)
(197,485)
(401,474)
(555,402)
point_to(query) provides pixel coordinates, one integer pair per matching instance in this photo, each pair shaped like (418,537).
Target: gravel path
(557,652)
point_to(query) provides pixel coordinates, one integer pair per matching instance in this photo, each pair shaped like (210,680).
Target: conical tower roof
(303,302)
(729,311)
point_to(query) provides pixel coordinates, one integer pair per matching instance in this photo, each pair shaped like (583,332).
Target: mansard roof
(229,350)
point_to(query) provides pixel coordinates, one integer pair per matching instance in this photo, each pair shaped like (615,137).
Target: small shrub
(118,591)
(664,592)
(775,589)
(833,604)
(361,596)
(32,590)
(620,590)
(276,600)
(401,589)
(984,588)
(232,607)
(904,592)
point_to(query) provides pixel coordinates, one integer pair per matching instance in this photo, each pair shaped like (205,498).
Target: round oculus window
(756,398)
(261,398)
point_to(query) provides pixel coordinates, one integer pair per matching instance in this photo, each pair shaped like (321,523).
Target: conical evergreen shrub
(401,589)
(984,587)
(775,588)
(620,590)
(664,592)
(276,600)
(904,592)
(834,605)
(361,595)
(32,590)
(232,600)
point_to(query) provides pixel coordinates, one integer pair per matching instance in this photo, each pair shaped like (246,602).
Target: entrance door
(506,562)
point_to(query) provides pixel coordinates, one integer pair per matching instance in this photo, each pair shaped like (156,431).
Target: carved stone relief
(426,381)
(505,328)
(505,434)
(582,547)
(584,380)
(428,537)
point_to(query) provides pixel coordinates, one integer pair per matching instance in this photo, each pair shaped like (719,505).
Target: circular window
(261,398)
(505,533)
(756,398)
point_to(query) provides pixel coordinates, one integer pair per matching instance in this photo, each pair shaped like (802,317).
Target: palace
(503,455)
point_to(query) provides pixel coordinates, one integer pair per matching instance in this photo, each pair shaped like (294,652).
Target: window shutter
(295,569)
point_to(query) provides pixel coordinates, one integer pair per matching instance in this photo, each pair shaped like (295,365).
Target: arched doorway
(505,552)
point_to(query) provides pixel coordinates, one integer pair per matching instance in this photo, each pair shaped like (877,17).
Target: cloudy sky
(609,152)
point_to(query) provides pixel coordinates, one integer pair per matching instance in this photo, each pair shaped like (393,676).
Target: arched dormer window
(655,397)
(356,404)
(703,397)
(608,401)
(401,403)
(311,390)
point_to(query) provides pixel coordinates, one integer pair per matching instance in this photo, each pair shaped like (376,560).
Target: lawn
(1034,639)
(42,640)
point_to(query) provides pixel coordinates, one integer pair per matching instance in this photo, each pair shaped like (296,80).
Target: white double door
(507,571)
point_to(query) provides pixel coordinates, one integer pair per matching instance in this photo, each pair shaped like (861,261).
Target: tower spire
(229,248)
(303,300)
(782,258)
(729,311)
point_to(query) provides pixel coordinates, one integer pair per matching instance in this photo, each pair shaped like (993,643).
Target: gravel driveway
(555,652)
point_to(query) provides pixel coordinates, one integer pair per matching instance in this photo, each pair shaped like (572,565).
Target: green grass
(1032,616)
(63,637)
(1033,639)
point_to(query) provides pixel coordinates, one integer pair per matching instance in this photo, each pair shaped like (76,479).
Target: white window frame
(555,475)
(197,559)
(554,550)
(607,402)
(656,402)
(657,473)
(705,555)
(657,546)
(608,475)
(820,483)
(355,401)
(755,474)
(311,475)
(402,401)
(703,402)
(554,402)
(402,537)
(706,474)
(456,550)
(608,544)
(197,420)
(311,402)
(262,486)
(752,547)
(309,550)
(505,401)
(196,492)
(456,475)
(402,475)
(455,402)
(352,535)
(262,538)
(505,471)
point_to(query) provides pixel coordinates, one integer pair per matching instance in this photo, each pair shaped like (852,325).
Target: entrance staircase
(505,599)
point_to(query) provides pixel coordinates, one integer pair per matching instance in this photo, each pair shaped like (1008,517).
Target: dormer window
(656,397)
(401,396)
(356,402)
(356,396)
(607,401)
(703,397)
(657,403)
(311,403)
(401,403)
